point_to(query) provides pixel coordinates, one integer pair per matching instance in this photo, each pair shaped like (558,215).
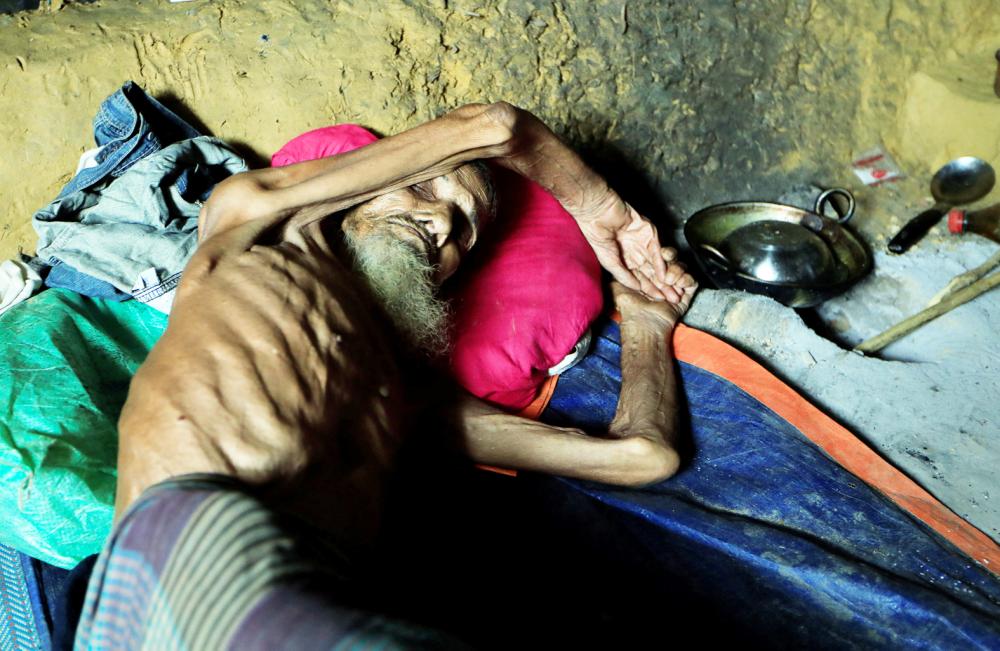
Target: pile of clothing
(127,223)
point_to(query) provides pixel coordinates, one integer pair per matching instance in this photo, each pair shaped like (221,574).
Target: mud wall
(683,104)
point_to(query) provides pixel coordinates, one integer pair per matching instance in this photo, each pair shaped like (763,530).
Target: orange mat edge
(710,353)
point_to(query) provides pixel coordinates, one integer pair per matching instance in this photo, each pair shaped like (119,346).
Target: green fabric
(67,362)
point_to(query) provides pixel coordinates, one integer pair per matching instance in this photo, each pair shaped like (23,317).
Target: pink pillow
(320,143)
(523,297)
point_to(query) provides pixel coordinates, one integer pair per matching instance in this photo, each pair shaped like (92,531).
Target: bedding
(781,530)
(68,363)
(21,627)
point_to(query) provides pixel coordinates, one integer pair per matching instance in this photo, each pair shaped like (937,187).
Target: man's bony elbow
(236,199)
(504,117)
(239,190)
(649,462)
(495,124)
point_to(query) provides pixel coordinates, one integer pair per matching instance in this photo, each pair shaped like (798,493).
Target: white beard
(400,278)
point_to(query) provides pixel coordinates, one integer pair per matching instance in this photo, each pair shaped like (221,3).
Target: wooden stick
(967,278)
(905,327)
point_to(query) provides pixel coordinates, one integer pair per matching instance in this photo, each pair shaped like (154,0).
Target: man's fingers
(687,296)
(657,291)
(633,274)
(646,244)
(647,287)
(656,257)
(687,281)
(674,273)
(651,272)
(621,274)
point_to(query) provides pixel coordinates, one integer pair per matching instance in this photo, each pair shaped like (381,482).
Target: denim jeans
(63,276)
(138,231)
(128,126)
(114,229)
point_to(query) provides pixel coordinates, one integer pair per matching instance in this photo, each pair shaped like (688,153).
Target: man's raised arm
(625,242)
(311,190)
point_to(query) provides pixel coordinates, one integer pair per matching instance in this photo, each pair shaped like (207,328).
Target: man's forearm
(512,136)
(647,404)
(535,152)
(310,190)
(490,436)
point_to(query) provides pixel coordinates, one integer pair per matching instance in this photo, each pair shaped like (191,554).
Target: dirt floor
(681,104)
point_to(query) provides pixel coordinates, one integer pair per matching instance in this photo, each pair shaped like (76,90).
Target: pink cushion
(320,143)
(522,298)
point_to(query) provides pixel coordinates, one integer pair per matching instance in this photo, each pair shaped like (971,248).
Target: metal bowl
(779,252)
(795,256)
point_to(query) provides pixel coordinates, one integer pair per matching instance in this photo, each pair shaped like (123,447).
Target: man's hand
(627,245)
(659,314)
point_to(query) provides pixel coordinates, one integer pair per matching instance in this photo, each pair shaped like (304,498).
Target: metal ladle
(959,182)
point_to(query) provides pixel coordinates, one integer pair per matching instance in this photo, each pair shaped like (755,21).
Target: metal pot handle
(716,258)
(824,199)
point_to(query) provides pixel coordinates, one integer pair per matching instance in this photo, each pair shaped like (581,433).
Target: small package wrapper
(876,166)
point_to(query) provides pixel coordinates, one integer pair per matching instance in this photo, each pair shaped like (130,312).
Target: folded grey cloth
(137,231)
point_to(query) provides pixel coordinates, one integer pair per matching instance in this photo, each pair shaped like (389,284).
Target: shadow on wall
(631,181)
(638,186)
(14,6)
(253,157)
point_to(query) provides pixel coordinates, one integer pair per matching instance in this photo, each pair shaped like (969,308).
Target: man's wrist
(596,200)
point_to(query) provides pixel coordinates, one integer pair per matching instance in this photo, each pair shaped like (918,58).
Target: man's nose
(437,218)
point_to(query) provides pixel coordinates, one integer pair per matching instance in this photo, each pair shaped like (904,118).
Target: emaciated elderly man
(274,392)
